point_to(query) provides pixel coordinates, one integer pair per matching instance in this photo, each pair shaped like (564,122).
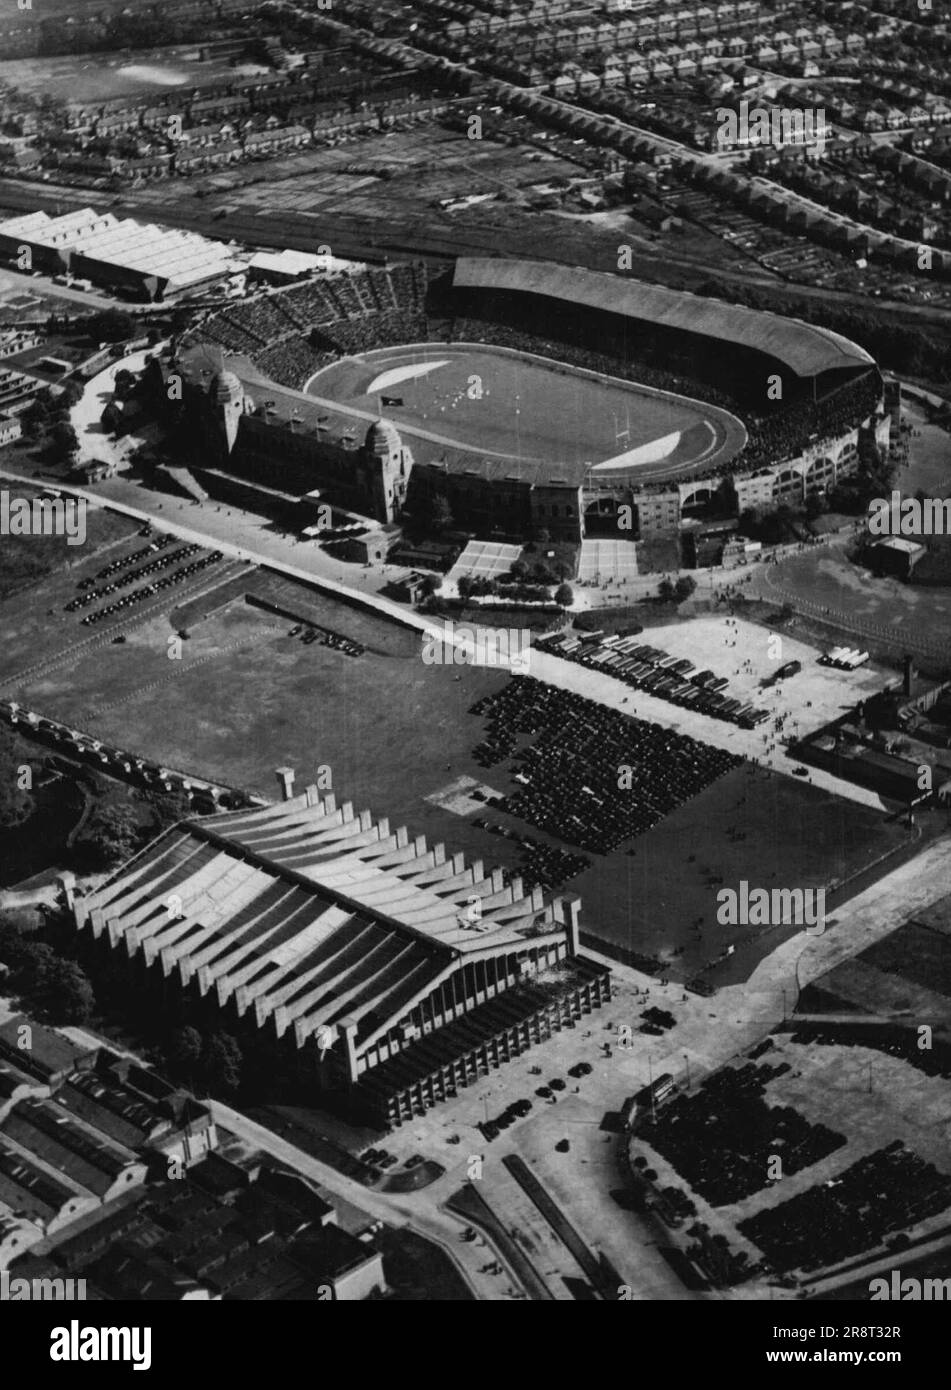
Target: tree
(16,949)
(111,326)
(124,383)
(684,587)
(16,803)
(183,1051)
(665,590)
(64,441)
(111,836)
(222,1062)
(564,595)
(63,989)
(170,808)
(39,413)
(816,504)
(518,570)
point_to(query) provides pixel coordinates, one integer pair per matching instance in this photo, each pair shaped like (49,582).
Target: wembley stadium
(528,393)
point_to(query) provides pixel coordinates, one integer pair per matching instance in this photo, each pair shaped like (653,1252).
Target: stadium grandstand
(380,972)
(143,261)
(777,408)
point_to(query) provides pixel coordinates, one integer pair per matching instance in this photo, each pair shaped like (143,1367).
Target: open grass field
(246,698)
(513,406)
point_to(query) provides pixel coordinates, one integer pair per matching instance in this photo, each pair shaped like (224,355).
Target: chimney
(285,778)
(908,677)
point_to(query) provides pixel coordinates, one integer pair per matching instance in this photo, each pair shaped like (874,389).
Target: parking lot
(746,654)
(581,1178)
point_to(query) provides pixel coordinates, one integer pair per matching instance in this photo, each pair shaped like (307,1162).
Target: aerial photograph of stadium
(475,703)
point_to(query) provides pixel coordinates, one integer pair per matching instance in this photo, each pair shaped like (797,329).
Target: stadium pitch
(510,405)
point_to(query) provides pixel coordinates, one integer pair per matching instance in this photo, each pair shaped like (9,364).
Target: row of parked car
(127,561)
(327,639)
(139,594)
(649,668)
(104,590)
(520,1108)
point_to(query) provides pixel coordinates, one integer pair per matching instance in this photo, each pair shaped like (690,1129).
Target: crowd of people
(390,328)
(781,434)
(292,362)
(785,434)
(721,1139)
(356,311)
(590,776)
(884,1192)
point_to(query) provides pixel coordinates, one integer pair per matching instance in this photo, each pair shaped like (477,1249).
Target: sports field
(510,406)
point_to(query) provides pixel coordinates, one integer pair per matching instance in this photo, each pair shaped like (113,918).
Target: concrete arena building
(383,973)
(142,261)
(288,442)
(735,348)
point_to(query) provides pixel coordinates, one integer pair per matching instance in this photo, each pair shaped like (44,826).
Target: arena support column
(347,1028)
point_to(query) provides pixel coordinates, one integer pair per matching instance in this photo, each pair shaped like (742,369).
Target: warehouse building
(138,260)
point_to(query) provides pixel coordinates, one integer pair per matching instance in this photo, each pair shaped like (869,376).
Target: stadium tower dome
(383,439)
(230,403)
(227,389)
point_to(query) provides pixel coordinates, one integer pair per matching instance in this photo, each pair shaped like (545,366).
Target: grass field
(516,407)
(246,698)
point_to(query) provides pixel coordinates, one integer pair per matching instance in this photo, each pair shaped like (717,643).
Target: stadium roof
(804,348)
(315,915)
(182,258)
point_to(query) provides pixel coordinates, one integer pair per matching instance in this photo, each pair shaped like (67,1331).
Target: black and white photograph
(475,672)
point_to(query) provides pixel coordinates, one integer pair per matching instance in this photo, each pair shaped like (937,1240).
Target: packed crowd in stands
(293,362)
(388,329)
(292,333)
(373,307)
(772,438)
(721,1138)
(777,437)
(882,1193)
(591,776)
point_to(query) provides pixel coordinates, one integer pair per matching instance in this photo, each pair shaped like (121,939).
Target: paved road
(419,1212)
(247,537)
